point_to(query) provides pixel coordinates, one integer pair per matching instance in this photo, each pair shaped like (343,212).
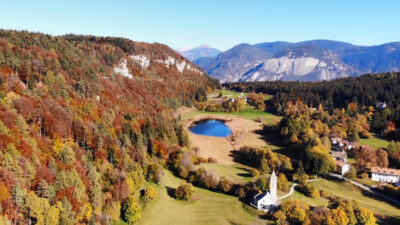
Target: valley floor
(216,208)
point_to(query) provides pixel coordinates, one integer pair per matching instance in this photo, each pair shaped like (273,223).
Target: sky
(218,23)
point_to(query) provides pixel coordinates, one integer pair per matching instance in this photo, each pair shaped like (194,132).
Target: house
(339,156)
(342,167)
(341,161)
(267,201)
(385,175)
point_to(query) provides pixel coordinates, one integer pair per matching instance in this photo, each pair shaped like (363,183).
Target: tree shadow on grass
(246,172)
(170,192)
(363,192)
(274,138)
(387,220)
(376,197)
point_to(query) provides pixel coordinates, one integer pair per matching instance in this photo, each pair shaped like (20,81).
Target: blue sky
(219,23)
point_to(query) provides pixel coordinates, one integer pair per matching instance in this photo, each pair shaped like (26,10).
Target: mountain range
(313,60)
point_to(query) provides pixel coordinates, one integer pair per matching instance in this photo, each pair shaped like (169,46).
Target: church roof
(259,196)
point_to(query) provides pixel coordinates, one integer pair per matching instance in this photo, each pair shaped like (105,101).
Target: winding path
(293,186)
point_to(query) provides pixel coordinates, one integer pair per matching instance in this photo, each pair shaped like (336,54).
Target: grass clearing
(375,142)
(211,208)
(236,172)
(310,201)
(366,181)
(346,190)
(249,112)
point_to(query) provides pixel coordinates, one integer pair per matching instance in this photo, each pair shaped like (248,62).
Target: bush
(131,211)
(150,193)
(154,173)
(224,185)
(324,193)
(254,172)
(185,191)
(310,190)
(352,173)
(364,175)
(212,160)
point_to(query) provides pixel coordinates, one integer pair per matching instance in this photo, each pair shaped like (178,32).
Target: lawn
(310,201)
(211,208)
(249,112)
(228,93)
(346,190)
(366,181)
(236,172)
(375,142)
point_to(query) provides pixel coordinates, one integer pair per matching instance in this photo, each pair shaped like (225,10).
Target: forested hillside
(84,122)
(368,92)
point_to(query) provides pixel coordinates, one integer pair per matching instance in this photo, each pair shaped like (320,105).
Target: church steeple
(273,186)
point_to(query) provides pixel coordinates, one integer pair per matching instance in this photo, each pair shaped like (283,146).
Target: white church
(267,201)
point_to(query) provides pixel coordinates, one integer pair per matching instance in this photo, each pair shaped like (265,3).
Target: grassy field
(366,181)
(236,172)
(248,113)
(211,208)
(346,190)
(310,201)
(375,142)
(228,93)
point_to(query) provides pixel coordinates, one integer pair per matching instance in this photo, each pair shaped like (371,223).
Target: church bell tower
(273,186)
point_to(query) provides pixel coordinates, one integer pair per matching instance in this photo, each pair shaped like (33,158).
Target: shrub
(185,191)
(212,160)
(131,211)
(352,173)
(254,172)
(364,175)
(150,193)
(310,190)
(224,185)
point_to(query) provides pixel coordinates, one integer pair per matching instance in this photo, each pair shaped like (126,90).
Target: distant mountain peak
(198,52)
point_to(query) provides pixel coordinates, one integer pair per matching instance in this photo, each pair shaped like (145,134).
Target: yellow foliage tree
(365,216)
(36,207)
(52,216)
(339,216)
(4,192)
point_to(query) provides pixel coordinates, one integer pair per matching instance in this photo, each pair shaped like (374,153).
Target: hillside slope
(84,120)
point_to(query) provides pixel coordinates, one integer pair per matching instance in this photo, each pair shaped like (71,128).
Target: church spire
(273,186)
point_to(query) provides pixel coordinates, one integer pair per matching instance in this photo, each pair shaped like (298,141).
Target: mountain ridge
(245,61)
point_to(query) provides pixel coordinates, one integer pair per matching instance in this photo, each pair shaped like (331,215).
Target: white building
(268,200)
(342,164)
(385,175)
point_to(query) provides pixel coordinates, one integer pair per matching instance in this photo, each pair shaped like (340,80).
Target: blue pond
(214,128)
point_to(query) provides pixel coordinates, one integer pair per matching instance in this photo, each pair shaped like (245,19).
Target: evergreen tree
(18,196)
(44,190)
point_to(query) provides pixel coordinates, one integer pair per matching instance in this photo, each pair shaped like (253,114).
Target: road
(367,188)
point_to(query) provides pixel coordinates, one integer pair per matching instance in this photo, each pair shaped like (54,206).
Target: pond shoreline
(211,127)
